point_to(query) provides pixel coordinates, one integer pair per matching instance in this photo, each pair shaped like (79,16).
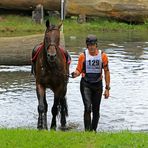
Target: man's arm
(107,81)
(79,68)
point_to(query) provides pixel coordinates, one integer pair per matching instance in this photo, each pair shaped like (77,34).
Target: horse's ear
(47,23)
(60,24)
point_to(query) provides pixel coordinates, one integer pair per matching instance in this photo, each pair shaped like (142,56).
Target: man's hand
(106,94)
(73,74)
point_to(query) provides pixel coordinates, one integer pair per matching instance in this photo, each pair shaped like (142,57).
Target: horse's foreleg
(45,114)
(42,107)
(64,112)
(54,112)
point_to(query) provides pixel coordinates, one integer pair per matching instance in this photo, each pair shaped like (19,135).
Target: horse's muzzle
(51,58)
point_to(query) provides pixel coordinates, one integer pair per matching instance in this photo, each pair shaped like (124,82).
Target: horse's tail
(66,107)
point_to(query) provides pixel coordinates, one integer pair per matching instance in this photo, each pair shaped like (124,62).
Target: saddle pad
(40,47)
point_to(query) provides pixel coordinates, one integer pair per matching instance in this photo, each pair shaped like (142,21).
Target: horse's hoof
(39,128)
(45,128)
(63,128)
(53,128)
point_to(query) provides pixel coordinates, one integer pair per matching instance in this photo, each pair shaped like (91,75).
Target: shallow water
(127,107)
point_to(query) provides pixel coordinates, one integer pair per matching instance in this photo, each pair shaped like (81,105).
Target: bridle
(52,63)
(52,46)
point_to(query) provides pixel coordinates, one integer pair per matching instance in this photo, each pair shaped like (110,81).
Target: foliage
(15,25)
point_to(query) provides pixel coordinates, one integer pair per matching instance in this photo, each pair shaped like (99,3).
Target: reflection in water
(126,109)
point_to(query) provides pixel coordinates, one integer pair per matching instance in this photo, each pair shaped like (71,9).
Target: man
(90,65)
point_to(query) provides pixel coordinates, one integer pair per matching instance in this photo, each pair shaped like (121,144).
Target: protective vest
(93,67)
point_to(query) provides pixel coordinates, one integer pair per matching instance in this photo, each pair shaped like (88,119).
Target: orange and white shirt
(86,58)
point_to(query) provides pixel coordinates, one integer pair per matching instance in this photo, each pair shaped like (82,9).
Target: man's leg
(86,96)
(96,101)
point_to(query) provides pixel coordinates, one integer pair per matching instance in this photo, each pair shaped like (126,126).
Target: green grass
(101,25)
(15,25)
(24,138)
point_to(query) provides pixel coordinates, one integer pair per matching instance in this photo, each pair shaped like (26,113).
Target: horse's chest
(51,79)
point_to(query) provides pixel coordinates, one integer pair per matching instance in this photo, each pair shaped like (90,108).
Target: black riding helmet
(91,40)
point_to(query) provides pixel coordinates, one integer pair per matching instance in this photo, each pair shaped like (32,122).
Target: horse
(51,71)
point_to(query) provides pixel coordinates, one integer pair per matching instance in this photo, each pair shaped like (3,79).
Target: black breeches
(91,96)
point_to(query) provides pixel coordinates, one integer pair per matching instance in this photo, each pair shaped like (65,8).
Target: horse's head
(52,40)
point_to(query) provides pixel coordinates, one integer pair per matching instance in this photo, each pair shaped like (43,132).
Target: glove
(73,74)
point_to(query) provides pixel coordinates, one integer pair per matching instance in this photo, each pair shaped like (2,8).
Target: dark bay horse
(51,71)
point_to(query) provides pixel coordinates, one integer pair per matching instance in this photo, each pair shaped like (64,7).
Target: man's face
(92,48)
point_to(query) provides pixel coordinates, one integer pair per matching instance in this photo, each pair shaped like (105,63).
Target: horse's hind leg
(64,112)
(42,108)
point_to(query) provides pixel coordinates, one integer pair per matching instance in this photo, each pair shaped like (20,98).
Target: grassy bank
(33,138)
(15,25)
(101,25)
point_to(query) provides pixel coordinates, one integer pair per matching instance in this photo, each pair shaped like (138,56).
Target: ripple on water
(125,109)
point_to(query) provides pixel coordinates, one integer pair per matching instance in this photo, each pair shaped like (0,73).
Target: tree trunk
(30,4)
(126,10)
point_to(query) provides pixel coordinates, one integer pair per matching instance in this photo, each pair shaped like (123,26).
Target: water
(127,107)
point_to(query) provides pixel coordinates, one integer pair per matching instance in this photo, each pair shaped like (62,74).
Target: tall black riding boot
(87,121)
(95,121)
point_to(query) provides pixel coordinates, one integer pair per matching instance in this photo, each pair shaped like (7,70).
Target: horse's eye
(47,31)
(47,38)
